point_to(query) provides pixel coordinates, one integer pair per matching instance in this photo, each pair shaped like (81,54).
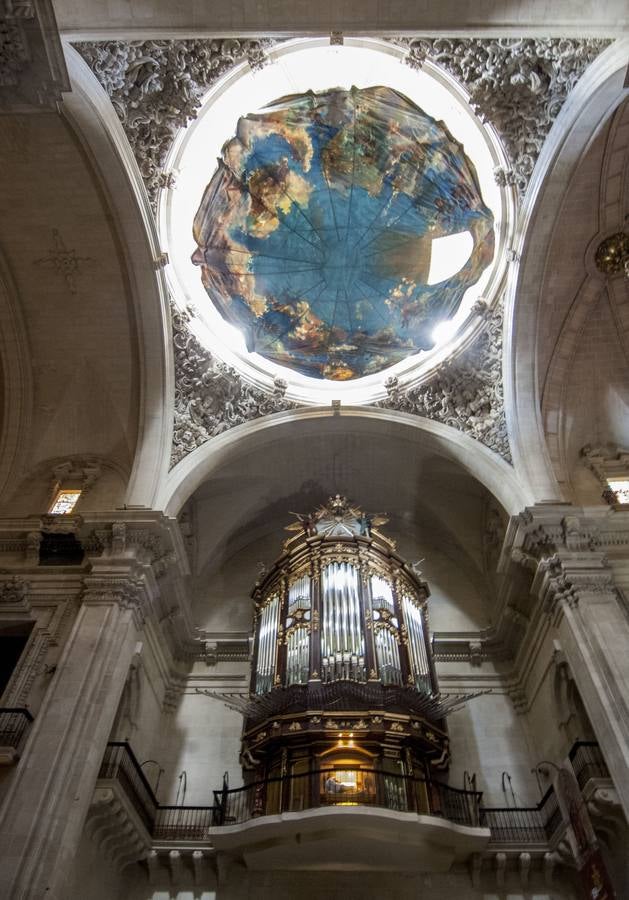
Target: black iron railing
(524,824)
(587,762)
(14,724)
(183,823)
(342,787)
(119,764)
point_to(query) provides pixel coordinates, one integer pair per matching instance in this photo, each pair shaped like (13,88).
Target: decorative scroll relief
(518,85)
(156,88)
(210,397)
(466,392)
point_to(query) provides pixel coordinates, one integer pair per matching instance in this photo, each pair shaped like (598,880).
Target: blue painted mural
(314,235)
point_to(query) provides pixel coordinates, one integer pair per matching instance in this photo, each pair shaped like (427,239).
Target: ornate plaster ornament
(465,393)
(612,254)
(14,55)
(517,84)
(156,88)
(211,397)
(32,66)
(15,591)
(64,261)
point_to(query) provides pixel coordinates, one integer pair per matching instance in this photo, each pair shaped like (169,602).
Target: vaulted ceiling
(76,376)
(71,357)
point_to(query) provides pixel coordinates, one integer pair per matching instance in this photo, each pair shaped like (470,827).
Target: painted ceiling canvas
(315,234)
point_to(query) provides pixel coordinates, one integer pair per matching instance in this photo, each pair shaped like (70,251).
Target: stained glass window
(620,489)
(64,502)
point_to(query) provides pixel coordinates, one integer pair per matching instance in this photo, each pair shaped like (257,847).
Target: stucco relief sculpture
(156,88)
(211,397)
(465,393)
(517,84)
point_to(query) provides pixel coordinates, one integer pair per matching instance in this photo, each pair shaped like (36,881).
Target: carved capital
(125,591)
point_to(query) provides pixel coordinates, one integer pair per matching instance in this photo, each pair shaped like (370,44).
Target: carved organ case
(343,679)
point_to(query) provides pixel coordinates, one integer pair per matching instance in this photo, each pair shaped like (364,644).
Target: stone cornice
(134,557)
(548,529)
(33,73)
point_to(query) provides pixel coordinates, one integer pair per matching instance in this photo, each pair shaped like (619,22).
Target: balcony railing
(342,787)
(587,762)
(175,823)
(14,725)
(524,824)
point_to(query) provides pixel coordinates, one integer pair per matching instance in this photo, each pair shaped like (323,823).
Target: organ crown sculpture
(343,671)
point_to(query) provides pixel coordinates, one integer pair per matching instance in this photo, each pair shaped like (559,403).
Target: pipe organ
(342,660)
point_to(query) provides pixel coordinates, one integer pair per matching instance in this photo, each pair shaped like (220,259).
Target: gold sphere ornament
(612,255)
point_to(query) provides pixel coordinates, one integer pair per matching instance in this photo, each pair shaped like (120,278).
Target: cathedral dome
(319,235)
(333,220)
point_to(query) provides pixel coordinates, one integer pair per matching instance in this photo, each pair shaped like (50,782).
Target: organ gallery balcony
(349,818)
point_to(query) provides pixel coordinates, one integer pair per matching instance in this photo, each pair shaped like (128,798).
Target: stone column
(42,818)
(579,592)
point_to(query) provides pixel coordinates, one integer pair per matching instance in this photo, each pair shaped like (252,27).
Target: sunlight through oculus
(340,229)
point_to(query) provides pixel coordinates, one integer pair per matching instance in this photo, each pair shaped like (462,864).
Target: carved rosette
(517,84)
(211,397)
(465,393)
(156,88)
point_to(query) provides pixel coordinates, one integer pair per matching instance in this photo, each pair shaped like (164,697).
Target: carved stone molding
(156,88)
(210,397)
(33,75)
(115,827)
(608,463)
(14,595)
(63,261)
(517,84)
(126,591)
(542,533)
(465,393)
(181,866)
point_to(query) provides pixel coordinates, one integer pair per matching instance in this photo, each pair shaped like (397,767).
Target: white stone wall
(243,885)
(201,737)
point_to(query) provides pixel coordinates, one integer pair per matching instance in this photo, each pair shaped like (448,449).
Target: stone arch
(594,99)
(487,467)
(94,119)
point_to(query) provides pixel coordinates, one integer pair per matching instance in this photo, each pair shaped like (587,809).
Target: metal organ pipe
(342,639)
(299,594)
(298,656)
(298,641)
(417,643)
(266,645)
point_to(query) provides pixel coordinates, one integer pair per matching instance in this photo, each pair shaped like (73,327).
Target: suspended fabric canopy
(317,233)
